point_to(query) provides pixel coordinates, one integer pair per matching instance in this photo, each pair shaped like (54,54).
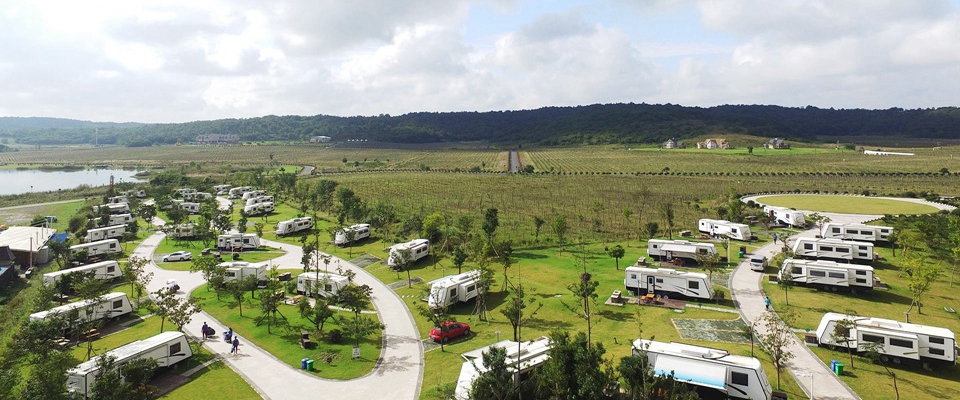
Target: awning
(683,248)
(698,373)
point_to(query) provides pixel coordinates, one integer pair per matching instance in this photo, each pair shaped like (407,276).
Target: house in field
(218,139)
(777,144)
(320,139)
(713,144)
(672,143)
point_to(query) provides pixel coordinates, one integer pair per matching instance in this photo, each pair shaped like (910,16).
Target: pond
(17,181)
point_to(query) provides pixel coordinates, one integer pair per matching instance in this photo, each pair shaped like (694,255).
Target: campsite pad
(720,278)
(365,260)
(711,329)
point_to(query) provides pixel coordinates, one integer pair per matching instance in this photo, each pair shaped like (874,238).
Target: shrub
(335,336)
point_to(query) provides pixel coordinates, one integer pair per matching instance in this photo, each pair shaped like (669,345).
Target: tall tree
(586,291)
(514,310)
(576,369)
(136,274)
(359,327)
(491,221)
(459,257)
(642,382)
(496,383)
(921,277)
(318,313)
(537,224)
(617,252)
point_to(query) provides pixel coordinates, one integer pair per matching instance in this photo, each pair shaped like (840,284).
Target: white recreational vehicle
(901,341)
(829,275)
(453,289)
(692,285)
(833,248)
(108,232)
(660,249)
(117,199)
(243,241)
(219,188)
(239,270)
(115,219)
(105,270)
(360,232)
(238,191)
(295,225)
(719,227)
(185,191)
(326,284)
(167,348)
(522,359)
(198,196)
(786,216)
(259,200)
(111,305)
(419,248)
(864,233)
(100,247)
(118,208)
(190,207)
(258,209)
(182,231)
(736,376)
(253,194)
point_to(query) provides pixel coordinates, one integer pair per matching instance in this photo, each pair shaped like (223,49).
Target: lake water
(32,180)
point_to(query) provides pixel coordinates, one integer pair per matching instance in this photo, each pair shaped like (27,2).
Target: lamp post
(810,374)
(498,336)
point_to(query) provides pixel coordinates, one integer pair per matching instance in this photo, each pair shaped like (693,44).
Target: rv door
(651,284)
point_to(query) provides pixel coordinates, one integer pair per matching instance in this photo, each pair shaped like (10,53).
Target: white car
(178,256)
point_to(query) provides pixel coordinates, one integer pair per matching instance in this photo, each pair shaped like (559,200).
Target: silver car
(178,256)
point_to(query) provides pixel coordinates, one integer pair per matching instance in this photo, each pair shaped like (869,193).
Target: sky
(179,61)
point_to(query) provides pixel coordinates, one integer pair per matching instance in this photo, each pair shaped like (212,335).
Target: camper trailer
(100,247)
(360,232)
(720,228)
(182,231)
(253,194)
(220,188)
(167,348)
(660,249)
(829,275)
(833,248)
(119,208)
(238,191)
(259,200)
(860,232)
(109,232)
(326,284)
(522,359)
(258,209)
(111,305)
(105,270)
(693,285)
(295,225)
(734,376)
(419,248)
(901,341)
(243,241)
(115,219)
(454,289)
(141,194)
(117,199)
(197,196)
(183,192)
(786,216)
(240,270)
(190,207)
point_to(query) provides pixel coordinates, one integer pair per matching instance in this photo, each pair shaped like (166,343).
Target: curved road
(746,288)
(398,373)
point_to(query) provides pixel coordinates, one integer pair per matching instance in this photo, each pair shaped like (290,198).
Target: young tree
(137,276)
(920,279)
(841,334)
(820,221)
(776,342)
(575,370)
(483,287)
(178,311)
(491,221)
(617,252)
(874,351)
(318,313)
(506,250)
(666,212)
(497,382)
(559,227)
(586,290)
(242,223)
(359,327)
(651,229)
(709,262)
(514,311)
(785,280)
(270,302)
(47,379)
(459,257)
(537,224)
(122,382)
(403,259)
(439,316)
(258,227)
(355,298)
(642,382)
(60,251)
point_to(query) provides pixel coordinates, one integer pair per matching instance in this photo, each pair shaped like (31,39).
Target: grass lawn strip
(847,204)
(730,331)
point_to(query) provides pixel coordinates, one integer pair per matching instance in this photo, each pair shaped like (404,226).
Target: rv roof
(882,323)
(78,304)
(323,275)
(81,268)
(829,264)
(696,352)
(665,271)
(841,241)
(128,350)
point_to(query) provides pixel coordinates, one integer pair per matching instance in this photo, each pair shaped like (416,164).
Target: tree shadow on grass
(525,255)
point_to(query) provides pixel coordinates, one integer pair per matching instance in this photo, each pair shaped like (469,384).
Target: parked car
(172,285)
(178,256)
(758,263)
(451,330)
(51,218)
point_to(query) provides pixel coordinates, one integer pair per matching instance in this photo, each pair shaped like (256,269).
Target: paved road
(399,371)
(307,170)
(514,161)
(746,290)
(39,204)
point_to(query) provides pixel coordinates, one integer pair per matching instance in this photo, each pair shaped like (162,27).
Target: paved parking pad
(731,331)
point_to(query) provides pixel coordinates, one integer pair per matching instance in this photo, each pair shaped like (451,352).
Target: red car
(451,330)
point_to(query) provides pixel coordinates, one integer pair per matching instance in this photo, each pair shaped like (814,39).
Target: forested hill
(607,123)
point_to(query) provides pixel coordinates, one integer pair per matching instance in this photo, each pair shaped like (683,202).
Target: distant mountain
(593,124)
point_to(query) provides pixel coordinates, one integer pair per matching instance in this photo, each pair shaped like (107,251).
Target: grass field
(847,204)
(23,215)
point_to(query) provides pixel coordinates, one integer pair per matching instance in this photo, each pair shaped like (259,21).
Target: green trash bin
(839,369)
(742,254)
(310,365)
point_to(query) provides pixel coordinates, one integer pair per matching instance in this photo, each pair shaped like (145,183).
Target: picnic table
(305,342)
(90,334)
(294,300)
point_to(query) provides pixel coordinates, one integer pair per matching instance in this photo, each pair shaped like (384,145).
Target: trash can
(310,365)
(833,365)
(303,363)
(742,254)
(778,396)
(839,369)
(743,250)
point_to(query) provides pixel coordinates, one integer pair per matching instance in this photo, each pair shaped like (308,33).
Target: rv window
(117,304)
(808,246)
(826,248)
(862,255)
(861,280)
(113,245)
(938,352)
(838,275)
(739,378)
(873,338)
(797,270)
(654,246)
(231,274)
(861,272)
(453,293)
(702,251)
(174,348)
(659,280)
(633,276)
(734,230)
(471,288)
(836,230)
(901,343)
(328,287)
(843,250)
(936,340)
(110,268)
(693,285)
(817,273)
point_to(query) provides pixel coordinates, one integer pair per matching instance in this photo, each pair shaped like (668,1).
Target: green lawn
(215,378)
(22,216)
(168,245)
(847,204)
(283,343)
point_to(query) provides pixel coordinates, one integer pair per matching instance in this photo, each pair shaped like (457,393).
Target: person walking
(766,301)
(774,238)
(235,350)
(203,331)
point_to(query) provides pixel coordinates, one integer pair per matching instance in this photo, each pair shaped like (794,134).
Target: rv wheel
(896,360)
(884,358)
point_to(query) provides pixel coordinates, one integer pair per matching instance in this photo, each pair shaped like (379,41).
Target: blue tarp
(60,237)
